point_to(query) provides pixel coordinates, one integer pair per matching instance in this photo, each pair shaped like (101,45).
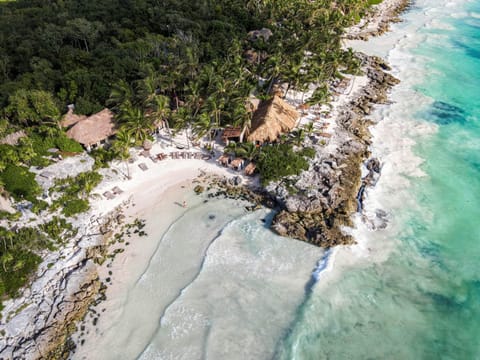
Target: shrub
(58,229)
(75,206)
(24,265)
(278,161)
(8,216)
(56,138)
(20,183)
(308,152)
(102,157)
(18,258)
(39,205)
(68,145)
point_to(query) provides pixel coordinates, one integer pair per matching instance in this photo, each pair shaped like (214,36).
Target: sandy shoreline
(146,189)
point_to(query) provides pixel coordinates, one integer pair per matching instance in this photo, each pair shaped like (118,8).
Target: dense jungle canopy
(146,56)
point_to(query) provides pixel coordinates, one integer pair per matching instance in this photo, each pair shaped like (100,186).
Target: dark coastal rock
(373,164)
(237,180)
(331,191)
(198,189)
(391,15)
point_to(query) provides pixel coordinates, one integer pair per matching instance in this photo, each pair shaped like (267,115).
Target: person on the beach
(184,204)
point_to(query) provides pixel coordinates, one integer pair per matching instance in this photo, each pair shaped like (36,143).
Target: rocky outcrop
(378,20)
(326,195)
(37,325)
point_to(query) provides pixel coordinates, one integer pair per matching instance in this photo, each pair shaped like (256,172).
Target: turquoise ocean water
(220,285)
(421,300)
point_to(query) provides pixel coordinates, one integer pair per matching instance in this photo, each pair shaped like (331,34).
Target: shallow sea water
(418,295)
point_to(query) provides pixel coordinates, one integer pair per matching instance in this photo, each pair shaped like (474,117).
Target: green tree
(122,144)
(33,106)
(135,122)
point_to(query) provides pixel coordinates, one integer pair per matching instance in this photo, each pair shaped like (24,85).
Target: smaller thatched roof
(224,160)
(250,169)
(272,118)
(93,129)
(70,119)
(237,162)
(12,139)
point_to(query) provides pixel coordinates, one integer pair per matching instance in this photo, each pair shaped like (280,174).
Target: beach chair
(143,166)
(108,195)
(116,190)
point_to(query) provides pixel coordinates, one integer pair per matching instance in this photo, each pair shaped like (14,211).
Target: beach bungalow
(231,134)
(93,130)
(272,118)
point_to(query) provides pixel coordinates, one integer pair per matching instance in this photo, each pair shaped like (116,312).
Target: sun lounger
(154,158)
(116,190)
(143,166)
(108,195)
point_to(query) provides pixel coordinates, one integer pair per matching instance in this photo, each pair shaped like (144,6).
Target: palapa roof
(93,129)
(237,162)
(70,118)
(12,139)
(272,118)
(224,159)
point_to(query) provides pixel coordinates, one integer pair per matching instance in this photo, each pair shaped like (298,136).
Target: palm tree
(242,116)
(121,146)
(135,122)
(299,136)
(309,128)
(249,151)
(182,119)
(193,98)
(120,94)
(202,126)
(215,108)
(161,112)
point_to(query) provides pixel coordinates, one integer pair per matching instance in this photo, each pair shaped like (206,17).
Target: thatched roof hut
(272,118)
(70,119)
(12,139)
(94,129)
